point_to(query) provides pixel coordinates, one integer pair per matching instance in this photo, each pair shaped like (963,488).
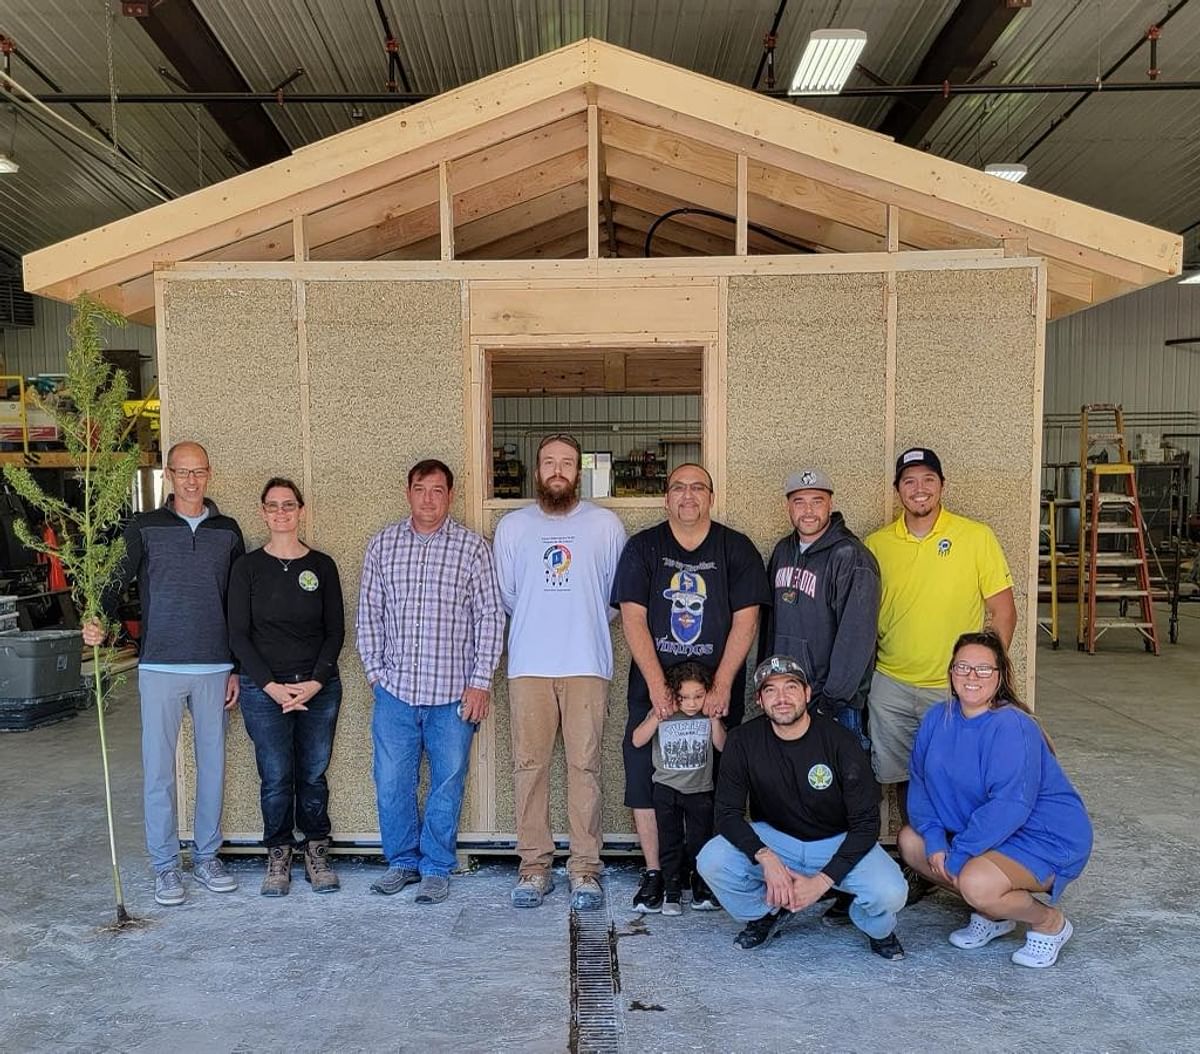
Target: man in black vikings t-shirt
(814,819)
(688,588)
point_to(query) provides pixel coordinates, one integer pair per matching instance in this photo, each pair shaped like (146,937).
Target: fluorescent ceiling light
(828,59)
(8,165)
(1192,279)
(1009,170)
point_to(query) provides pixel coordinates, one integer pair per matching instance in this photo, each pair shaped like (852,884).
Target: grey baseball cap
(808,479)
(778,666)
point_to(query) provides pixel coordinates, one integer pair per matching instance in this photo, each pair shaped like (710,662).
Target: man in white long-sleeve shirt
(556,560)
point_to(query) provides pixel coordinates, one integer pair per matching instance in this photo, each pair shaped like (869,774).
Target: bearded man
(556,560)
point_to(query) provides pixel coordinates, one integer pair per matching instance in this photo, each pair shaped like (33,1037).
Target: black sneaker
(649,897)
(887,948)
(672,903)
(761,930)
(838,913)
(703,898)
(919,887)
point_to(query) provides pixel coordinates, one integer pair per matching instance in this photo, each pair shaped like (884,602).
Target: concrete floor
(354,972)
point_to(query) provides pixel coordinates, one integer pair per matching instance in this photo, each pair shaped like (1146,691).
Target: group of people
(878,662)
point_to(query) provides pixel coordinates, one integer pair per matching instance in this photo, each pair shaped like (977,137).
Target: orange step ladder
(1119,571)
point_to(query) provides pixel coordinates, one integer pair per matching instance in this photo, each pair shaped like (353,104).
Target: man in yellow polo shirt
(942,575)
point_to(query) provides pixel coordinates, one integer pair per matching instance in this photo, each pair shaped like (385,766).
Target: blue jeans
(878,887)
(292,752)
(401,733)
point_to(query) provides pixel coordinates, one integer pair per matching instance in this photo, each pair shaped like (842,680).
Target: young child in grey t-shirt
(683,782)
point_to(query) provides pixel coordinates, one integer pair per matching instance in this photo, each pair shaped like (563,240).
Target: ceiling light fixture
(1009,170)
(828,59)
(8,165)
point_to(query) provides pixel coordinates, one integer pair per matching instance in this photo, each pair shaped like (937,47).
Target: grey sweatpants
(164,697)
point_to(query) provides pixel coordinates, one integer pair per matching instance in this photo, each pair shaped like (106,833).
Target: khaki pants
(538,706)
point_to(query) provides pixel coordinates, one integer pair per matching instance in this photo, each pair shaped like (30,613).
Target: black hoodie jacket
(825,612)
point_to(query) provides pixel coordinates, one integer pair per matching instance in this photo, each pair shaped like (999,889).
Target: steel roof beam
(963,43)
(188,43)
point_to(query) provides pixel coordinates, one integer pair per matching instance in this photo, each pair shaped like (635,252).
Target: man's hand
(777,877)
(302,692)
(937,864)
(232,688)
(716,703)
(476,702)
(94,634)
(662,699)
(808,889)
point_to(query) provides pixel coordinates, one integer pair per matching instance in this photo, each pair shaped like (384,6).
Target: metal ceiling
(1131,154)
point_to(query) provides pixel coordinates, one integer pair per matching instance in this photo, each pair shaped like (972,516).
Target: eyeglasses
(280,506)
(982,670)
(189,473)
(688,488)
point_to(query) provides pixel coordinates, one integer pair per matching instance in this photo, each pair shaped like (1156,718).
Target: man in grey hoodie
(824,601)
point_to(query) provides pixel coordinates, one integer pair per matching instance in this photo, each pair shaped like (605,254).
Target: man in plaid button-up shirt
(430,631)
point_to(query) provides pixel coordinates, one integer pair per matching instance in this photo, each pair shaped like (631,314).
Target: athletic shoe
(531,889)
(887,948)
(211,874)
(395,879)
(672,904)
(168,887)
(649,895)
(586,894)
(1041,949)
(703,898)
(759,931)
(980,931)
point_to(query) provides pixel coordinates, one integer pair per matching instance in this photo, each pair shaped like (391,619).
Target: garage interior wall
(345,384)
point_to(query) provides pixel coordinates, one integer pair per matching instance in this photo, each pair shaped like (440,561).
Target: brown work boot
(278,879)
(317,871)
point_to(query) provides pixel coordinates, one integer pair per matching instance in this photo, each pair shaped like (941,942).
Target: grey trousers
(164,697)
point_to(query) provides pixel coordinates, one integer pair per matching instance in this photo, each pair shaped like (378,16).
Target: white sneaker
(1041,949)
(980,931)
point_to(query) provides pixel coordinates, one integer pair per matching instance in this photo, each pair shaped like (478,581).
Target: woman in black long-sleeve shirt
(286,629)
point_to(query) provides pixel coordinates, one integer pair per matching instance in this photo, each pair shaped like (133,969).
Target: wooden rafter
(509,140)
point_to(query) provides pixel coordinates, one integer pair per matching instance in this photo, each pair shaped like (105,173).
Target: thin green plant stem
(122,914)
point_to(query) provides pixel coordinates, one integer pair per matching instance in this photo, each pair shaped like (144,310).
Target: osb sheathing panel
(807,359)
(385,377)
(616,818)
(967,385)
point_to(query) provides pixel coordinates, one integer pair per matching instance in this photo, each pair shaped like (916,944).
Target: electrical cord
(766,232)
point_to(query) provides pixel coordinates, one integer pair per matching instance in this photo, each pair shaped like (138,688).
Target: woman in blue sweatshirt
(992,815)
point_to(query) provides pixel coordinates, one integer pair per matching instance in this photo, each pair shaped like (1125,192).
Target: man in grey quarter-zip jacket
(181,555)
(824,601)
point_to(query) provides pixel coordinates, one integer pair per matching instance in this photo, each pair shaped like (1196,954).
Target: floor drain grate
(596,1026)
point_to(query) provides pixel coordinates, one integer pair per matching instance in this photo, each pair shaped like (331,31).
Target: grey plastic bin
(39,662)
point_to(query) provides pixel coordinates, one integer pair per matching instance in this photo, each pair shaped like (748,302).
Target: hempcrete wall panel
(968,385)
(807,357)
(230,373)
(385,375)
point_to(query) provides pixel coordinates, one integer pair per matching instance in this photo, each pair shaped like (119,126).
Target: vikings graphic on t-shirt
(556,561)
(687,594)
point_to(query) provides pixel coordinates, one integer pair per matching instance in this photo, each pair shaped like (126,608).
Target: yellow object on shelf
(147,408)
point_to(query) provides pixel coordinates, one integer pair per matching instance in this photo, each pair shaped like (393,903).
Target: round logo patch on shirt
(820,777)
(308,581)
(943,547)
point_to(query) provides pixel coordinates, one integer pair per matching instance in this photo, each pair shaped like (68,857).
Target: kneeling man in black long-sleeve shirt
(814,819)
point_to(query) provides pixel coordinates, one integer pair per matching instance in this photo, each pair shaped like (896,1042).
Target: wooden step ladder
(1118,573)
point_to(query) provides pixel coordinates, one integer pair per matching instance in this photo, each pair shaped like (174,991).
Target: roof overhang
(513,154)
